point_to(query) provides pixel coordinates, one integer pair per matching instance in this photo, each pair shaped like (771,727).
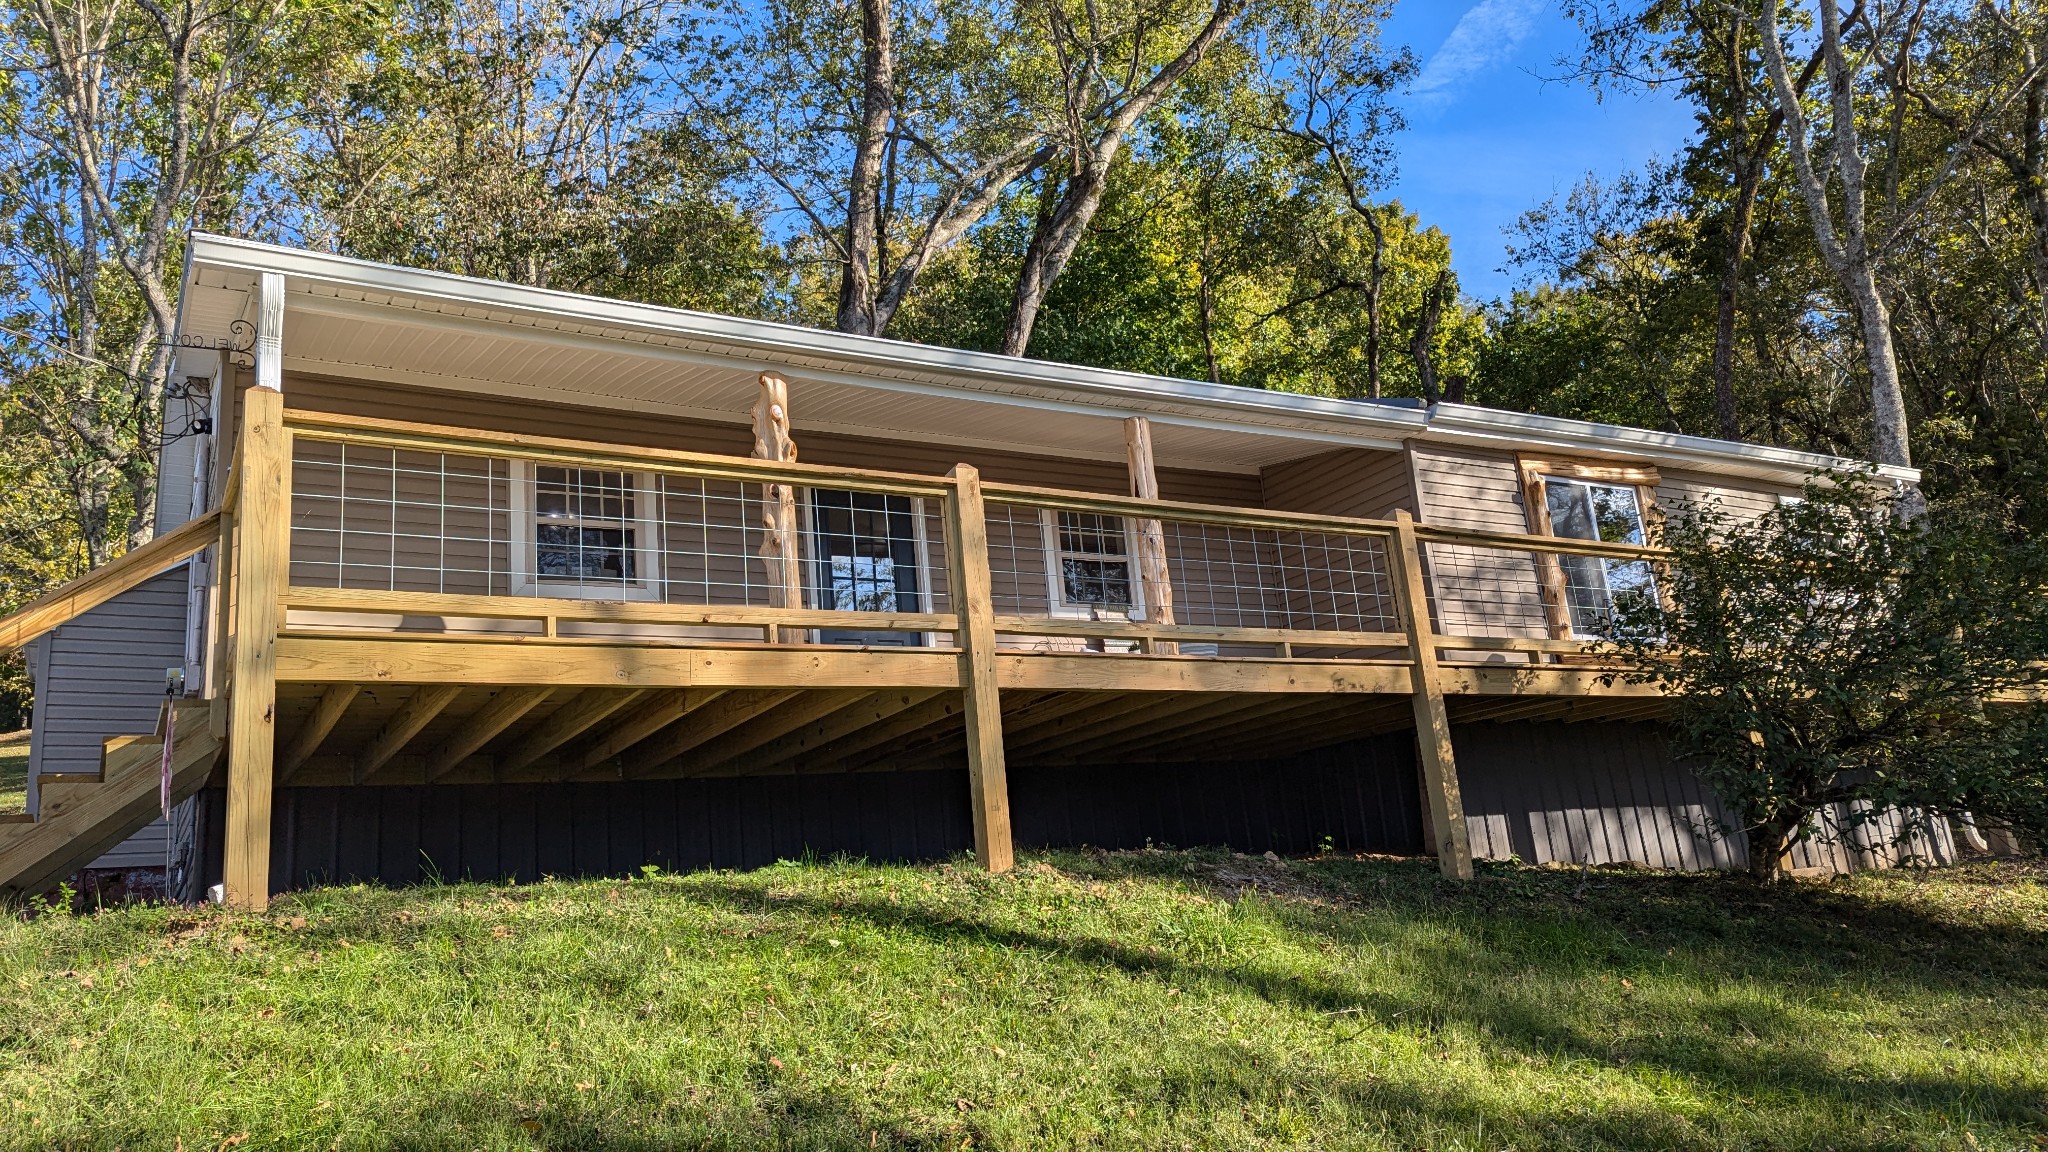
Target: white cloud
(1488,33)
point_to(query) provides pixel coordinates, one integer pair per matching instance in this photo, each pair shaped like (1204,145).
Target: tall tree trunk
(858,276)
(1095,137)
(1375,281)
(1848,251)
(1422,346)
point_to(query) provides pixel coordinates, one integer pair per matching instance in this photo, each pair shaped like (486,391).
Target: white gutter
(1015,379)
(1492,427)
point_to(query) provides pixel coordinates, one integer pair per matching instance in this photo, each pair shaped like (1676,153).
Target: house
(463,578)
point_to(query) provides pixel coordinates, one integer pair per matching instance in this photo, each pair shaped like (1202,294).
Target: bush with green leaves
(1834,654)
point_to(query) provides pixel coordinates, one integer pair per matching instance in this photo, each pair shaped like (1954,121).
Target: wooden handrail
(74,599)
(1555,545)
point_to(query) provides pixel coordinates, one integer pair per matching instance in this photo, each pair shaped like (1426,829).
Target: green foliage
(1834,653)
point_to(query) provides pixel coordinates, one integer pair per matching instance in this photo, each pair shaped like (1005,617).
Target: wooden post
(967,563)
(220,642)
(779,549)
(1153,576)
(1432,723)
(263,533)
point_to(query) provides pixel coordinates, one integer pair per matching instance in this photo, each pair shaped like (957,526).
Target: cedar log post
(263,540)
(1152,573)
(967,563)
(1446,815)
(779,550)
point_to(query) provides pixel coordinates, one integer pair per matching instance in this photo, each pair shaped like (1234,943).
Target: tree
(525,144)
(1108,76)
(1836,655)
(128,122)
(889,129)
(1328,83)
(1854,247)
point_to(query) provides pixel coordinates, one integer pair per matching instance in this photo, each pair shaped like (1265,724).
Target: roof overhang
(360,319)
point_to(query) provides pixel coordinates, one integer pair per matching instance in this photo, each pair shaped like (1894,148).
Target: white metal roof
(356,318)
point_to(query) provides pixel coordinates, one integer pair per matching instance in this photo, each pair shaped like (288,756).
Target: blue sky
(1489,139)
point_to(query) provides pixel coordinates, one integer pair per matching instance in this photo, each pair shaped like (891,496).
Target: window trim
(1056,586)
(1535,470)
(525,550)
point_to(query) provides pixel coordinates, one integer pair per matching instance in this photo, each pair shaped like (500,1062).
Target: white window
(584,533)
(1590,510)
(1091,570)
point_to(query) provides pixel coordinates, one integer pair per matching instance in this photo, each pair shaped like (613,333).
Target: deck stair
(83,815)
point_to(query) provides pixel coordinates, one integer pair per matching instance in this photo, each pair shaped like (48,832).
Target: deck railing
(404,527)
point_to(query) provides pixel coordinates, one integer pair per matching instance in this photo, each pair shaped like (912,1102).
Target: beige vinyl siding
(1737,499)
(1477,591)
(1346,482)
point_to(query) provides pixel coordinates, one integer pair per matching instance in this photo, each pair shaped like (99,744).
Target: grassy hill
(1151,1000)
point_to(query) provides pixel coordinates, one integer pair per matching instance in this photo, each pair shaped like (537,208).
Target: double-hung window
(1092,568)
(586,533)
(1592,502)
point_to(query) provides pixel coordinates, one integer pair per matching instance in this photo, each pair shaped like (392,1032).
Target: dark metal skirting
(1361,796)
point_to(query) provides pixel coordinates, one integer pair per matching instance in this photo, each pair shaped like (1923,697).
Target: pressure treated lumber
(1432,723)
(419,711)
(327,713)
(729,711)
(262,523)
(643,722)
(967,560)
(575,717)
(501,712)
(77,597)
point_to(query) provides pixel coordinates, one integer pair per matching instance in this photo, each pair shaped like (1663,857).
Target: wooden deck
(1294,632)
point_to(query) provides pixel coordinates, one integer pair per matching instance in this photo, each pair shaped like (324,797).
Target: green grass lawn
(1150,1000)
(13,771)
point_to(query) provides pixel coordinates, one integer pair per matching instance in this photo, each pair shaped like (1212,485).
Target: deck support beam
(1432,722)
(326,714)
(967,559)
(262,524)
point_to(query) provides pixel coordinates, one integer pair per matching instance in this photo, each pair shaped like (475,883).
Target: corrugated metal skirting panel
(1606,793)
(103,675)
(1587,793)
(1358,797)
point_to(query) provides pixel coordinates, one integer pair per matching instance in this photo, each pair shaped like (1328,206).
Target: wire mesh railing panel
(397,520)
(1058,563)
(1492,592)
(1241,577)
(379,518)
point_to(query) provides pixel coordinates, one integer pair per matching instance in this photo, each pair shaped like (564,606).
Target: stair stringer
(80,819)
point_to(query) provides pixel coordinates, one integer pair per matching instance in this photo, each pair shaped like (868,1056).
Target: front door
(866,560)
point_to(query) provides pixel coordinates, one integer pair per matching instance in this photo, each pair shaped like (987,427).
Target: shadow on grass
(1496,967)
